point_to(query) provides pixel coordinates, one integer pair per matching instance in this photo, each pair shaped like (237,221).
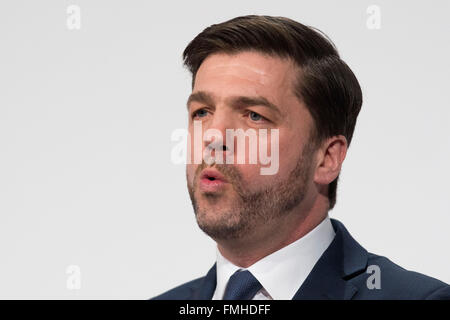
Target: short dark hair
(325,83)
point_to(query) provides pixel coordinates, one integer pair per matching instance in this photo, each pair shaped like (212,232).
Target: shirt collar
(282,272)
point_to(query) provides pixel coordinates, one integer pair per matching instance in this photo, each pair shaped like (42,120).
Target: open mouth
(212,175)
(212,180)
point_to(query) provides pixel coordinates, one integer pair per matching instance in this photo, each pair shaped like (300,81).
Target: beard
(251,208)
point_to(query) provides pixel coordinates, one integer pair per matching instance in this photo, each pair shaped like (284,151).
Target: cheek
(284,152)
(252,179)
(190,173)
(289,150)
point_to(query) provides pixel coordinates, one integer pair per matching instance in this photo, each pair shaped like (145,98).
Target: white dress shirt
(282,272)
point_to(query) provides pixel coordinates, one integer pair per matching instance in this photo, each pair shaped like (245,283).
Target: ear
(330,156)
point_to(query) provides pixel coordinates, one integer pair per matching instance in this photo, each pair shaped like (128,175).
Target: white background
(86,118)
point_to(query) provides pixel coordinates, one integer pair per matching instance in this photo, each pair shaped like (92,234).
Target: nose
(215,133)
(216,144)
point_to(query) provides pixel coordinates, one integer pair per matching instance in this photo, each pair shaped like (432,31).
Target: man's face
(245,202)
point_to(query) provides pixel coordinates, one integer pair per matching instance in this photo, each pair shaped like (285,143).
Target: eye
(255,116)
(200,113)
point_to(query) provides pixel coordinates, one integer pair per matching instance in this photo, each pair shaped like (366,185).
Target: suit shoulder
(396,282)
(181,292)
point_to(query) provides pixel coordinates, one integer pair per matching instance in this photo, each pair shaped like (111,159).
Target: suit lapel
(343,259)
(207,287)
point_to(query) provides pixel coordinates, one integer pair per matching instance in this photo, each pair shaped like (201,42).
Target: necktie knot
(242,286)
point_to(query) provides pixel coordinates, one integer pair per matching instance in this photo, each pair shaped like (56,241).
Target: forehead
(250,74)
(246,73)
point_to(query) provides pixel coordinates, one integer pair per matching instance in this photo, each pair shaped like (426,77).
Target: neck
(272,236)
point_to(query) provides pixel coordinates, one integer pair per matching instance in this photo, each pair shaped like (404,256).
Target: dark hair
(325,83)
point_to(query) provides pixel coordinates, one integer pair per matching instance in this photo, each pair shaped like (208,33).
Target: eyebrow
(200,97)
(237,101)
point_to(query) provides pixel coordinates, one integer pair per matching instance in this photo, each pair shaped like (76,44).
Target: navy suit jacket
(342,272)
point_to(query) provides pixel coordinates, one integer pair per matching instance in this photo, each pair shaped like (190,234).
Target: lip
(212,180)
(212,173)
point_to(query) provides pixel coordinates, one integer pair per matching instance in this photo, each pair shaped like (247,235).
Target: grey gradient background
(86,118)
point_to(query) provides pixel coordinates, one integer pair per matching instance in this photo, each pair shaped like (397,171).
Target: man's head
(260,72)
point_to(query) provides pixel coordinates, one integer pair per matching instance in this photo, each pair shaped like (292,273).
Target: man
(274,237)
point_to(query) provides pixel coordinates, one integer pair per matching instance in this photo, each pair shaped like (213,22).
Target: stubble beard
(251,208)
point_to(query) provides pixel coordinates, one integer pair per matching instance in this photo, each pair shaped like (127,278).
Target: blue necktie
(242,286)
